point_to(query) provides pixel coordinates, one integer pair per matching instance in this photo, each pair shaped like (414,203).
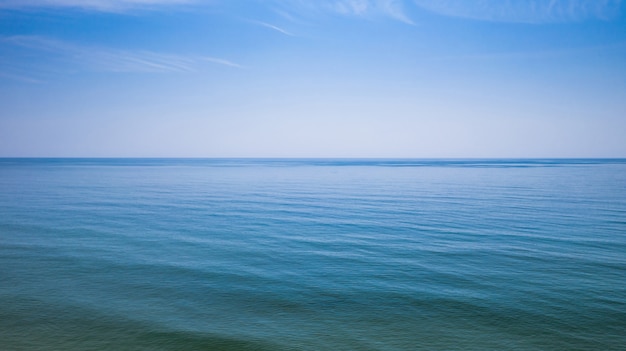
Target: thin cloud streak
(354,8)
(94,5)
(393,9)
(276,28)
(113,60)
(219,61)
(530,11)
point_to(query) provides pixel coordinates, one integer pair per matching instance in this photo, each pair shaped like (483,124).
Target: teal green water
(179,254)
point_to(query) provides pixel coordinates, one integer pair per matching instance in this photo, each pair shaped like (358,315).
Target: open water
(222,254)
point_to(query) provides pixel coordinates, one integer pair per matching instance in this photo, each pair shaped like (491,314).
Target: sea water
(240,254)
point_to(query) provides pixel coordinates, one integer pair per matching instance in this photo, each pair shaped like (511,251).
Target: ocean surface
(245,254)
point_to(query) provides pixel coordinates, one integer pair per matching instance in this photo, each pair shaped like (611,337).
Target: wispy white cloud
(527,11)
(109,60)
(218,61)
(351,7)
(273,27)
(96,5)
(394,9)
(389,8)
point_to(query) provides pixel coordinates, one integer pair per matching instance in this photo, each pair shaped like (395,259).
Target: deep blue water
(187,254)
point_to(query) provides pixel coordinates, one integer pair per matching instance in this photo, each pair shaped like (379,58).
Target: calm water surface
(179,254)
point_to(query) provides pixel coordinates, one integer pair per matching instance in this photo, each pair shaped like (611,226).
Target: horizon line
(300,158)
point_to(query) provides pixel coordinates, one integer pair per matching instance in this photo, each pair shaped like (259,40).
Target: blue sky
(328,78)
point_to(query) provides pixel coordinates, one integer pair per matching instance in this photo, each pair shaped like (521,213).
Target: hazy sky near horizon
(327,78)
